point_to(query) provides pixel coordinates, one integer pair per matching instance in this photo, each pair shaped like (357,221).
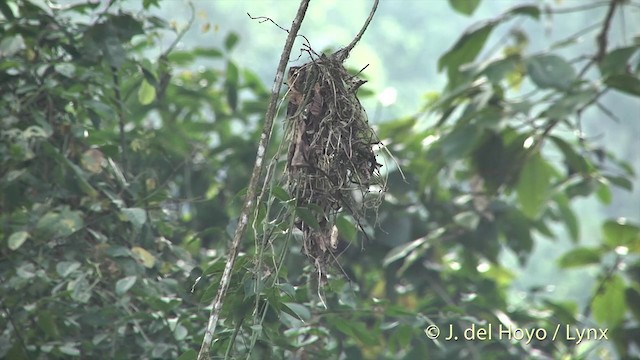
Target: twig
(16,329)
(342,54)
(262,19)
(253,184)
(606,277)
(577,8)
(182,32)
(602,37)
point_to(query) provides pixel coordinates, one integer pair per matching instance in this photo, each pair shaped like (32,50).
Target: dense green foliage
(122,175)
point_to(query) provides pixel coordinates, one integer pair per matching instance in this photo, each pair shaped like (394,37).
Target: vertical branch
(216,306)
(121,119)
(602,37)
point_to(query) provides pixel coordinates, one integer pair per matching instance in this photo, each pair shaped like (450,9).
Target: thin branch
(16,330)
(121,117)
(262,19)
(253,184)
(603,36)
(606,277)
(577,8)
(342,54)
(182,32)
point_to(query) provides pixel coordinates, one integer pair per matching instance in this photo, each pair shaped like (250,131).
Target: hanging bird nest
(331,163)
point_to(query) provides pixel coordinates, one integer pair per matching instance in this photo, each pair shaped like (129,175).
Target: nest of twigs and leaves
(331,164)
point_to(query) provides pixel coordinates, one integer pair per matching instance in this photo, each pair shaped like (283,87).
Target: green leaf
(287,289)
(80,289)
(604,192)
(633,301)
(568,104)
(517,231)
(65,268)
(404,335)
(550,71)
(180,332)
(569,217)
(123,285)
(280,194)
(188,355)
(533,185)
(465,7)
(208,52)
(616,61)
(80,175)
(466,48)
(625,83)
(146,93)
(564,311)
(621,233)
(354,329)
(498,70)
(298,310)
(609,305)
(65,69)
(147,4)
(47,323)
(149,76)
(5,9)
(17,239)
(532,11)
(576,162)
(47,223)
(145,257)
(346,229)
(126,26)
(401,251)
(231,40)
(460,142)
(231,85)
(584,187)
(620,181)
(114,51)
(60,224)
(12,175)
(308,217)
(252,287)
(69,349)
(580,257)
(467,219)
(181,57)
(135,216)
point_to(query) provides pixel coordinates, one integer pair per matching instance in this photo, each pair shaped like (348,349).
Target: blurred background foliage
(129,129)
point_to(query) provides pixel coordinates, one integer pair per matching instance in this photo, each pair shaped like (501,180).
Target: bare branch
(253,184)
(182,32)
(603,36)
(262,19)
(589,6)
(343,53)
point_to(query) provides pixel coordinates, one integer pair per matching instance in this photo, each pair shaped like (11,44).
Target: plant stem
(253,184)
(121,118)
(343,53)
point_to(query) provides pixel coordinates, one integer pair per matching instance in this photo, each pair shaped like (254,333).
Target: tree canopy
(124,168)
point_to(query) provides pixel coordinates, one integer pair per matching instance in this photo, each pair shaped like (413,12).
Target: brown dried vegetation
(331,164)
